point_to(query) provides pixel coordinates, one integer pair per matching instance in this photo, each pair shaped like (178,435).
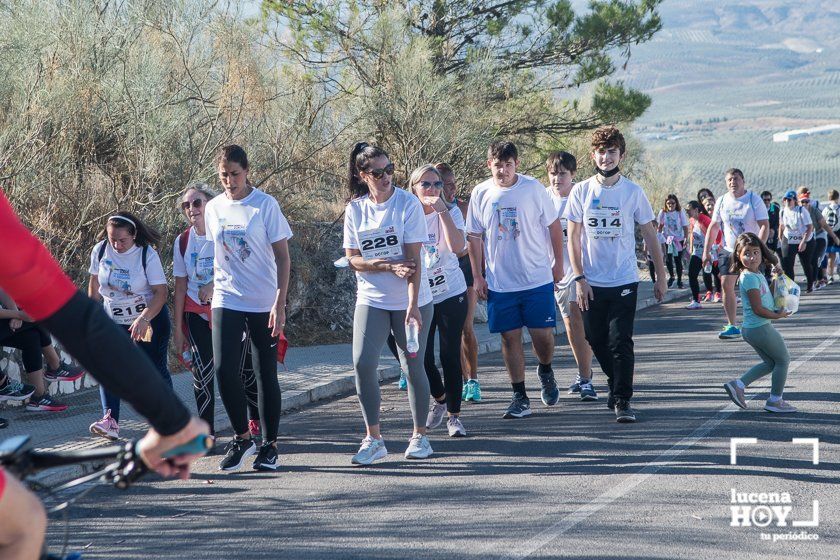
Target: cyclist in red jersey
(36,282)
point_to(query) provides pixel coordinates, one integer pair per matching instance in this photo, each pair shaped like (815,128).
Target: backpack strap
(102,249)
(183,240)
(143,257)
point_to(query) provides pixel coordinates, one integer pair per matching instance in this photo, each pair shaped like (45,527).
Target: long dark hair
(676,203)
(694,205)
(360,157)
(143,235)
(749,240)
(703,193)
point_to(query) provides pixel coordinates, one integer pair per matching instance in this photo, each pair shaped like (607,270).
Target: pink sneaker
(107,427)
(254,427)
(708,297)
(718,298)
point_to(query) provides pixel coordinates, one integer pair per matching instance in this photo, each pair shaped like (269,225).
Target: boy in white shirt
(507,221)
(602,212)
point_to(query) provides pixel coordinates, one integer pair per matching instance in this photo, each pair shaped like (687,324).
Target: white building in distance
(799,133)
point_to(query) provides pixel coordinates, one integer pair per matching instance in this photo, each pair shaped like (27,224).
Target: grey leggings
(371,327)
(771,348)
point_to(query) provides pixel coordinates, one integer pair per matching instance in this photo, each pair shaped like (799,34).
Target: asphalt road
(569,482)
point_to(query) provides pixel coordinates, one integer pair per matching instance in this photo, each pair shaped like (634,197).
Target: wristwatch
(578,278)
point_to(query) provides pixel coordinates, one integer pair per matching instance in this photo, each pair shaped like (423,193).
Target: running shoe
(587,393)
(729,332)
(418,447)
(466,391)
(575,387)
(735,393)
(694,305)
(520,407)
(266,458)
(64,372)
(475,391)
(16,391)
(107,427)
(624,413)
(670,281)
(779,406)
(402,384)
(45,403)
(718,297)
(831,279)
(456,428)
(707,298)
(550,393)
(371,450)
(236,452)
(436,414)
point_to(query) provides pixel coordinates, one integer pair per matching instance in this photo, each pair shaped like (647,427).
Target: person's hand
(403,269)
(436,203)
(277,319)
(557,271)
(802,246)
(205,293)
(138,328)
(480,285)
(584,294)
(660,288)
(777,269)
(707,258)
(784,313)
(153,446)
(413,312)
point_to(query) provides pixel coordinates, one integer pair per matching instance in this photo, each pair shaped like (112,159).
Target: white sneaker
(694,305)
(418,447)
(436,414)
(456,429)
(779,406)
(371,450)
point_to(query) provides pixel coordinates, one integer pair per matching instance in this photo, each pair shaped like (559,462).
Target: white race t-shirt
(242,231)
(673,224)
(609,216)
(125,288)
(698,238)
(381,231)
(196,265)
(513,221)
(446,279)
(796,223)
(560,205)
(738,215)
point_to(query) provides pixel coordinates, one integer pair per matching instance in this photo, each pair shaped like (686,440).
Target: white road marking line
(664,460)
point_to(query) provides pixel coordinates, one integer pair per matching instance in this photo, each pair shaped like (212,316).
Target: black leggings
(29,339)
(669,262)
(816,261)
(449,318)
(228,328)
(806,257)
(694,266)
(201,344)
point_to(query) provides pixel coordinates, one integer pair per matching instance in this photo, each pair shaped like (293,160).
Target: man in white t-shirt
(602,213)
(507,220)
(738,211)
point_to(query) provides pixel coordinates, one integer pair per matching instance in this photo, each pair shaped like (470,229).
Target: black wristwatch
(578,278)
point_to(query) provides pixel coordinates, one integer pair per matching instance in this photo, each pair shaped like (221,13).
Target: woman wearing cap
(796,231)
(126,275)
(821,232)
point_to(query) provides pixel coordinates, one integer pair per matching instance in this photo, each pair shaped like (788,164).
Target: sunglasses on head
(197,203)
(428,185)
(378,173)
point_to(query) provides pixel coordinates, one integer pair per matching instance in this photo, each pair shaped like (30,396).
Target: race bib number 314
(604,223)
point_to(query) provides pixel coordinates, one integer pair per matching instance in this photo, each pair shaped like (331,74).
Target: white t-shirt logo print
(233,237)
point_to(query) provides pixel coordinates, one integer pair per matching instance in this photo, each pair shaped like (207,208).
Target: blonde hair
(419,172)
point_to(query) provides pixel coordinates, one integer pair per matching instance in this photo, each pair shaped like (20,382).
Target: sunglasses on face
(378,173)
(428,185)
(197,203)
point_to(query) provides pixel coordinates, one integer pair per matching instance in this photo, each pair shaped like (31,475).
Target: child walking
(750,253)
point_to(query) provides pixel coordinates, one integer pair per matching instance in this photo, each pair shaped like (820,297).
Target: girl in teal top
(759,309)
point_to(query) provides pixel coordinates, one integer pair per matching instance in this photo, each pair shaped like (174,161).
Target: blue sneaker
(466,392)
(475,390)
(402,385)
(520,407)
(550,393)
(587,393)
(730,332)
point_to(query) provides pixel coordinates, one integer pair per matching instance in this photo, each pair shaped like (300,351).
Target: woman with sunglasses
(192,264)
(796,233)
(445,227)
(384,230)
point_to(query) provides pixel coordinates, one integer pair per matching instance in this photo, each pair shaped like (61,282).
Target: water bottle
(708,268)
(412,333)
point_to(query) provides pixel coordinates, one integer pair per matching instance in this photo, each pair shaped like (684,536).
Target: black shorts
(466,268)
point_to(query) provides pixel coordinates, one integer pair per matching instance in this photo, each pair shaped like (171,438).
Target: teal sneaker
(475,391)
(466,392)
(402,385)
(729,332)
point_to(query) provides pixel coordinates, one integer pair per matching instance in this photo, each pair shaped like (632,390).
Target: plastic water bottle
(708,268)
(412,333)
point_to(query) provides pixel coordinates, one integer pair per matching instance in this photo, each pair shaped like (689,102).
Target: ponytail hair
(360,157)
(143,235)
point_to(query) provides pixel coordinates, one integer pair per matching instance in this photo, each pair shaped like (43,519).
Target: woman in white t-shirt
(796,233)
(673,225)
(126,275)
(445,227)
(192,264)
(250,280)
(384,230)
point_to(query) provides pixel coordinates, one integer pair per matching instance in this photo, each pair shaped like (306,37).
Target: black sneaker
(624,413)
(236,452)
(670,282)
(64,372)
(267,458)
(550,393)
(16,391)
(520,407)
